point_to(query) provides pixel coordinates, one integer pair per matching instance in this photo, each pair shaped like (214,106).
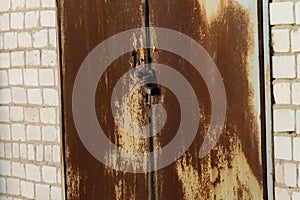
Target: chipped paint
(229,34)
(189,179)
(228,30)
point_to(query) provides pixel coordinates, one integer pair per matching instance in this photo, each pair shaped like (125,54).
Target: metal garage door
(212,50)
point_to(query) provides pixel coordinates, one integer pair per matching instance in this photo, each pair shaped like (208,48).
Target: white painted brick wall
(30,149)
(285,23)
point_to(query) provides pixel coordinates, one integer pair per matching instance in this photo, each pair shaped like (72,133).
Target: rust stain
(233,170)
(189,179)
(85,24)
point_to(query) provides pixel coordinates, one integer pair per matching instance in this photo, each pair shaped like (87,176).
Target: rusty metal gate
(229,31)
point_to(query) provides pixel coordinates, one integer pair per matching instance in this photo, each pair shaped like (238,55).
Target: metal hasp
(145,73)
(150,91)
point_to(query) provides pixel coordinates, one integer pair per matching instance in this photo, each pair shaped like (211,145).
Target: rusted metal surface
(84,24)
(233,170)
(227,29)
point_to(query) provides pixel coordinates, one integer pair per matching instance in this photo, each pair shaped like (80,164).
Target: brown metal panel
(85,24)
(233,170)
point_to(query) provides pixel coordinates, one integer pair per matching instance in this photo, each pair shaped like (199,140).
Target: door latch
(145,74)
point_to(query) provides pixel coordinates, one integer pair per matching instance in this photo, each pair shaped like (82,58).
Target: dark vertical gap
(62,121)
(151,140)
(263,95)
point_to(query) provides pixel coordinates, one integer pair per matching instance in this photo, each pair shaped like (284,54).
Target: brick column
(285,22)
(30,136)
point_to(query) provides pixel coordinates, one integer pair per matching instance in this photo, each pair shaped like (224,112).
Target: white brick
(284,120)
(2,151)
(4,60)
(298,121)
(17,4)
(42,192)
(297,149)
(18,132)
(59,176)
(13,186)
(48,153)
(290,174)
(33,172)
(16,150)
(49,133)
(31,77)
(5,96)
(56,193)
(297,8)
(298,175)
(31,114)
(40,38)
(281,40)
(48,115)
(10,40)
(2,185)
(15,76)
(4,114)
(16,113)
(23,151)
(283,148)
(27,189)
(35,96)
(1,41)
(282,13)
(48,58)
(3,79)
(56,154)
(4,5)
(39,153)
(48,3)
(49,174)
(24,40)
(32,19)
(52,37)
(282,92)
(19,95)
(56,77)
(5,168)
(48,18)
(18,170)
(17,20)
(296,93)
(30,152)
(5,132)
(8,150)
(298,66)
(50,97)
(296,196)
(33,58)
(284,67)
(32,3)
(33,133)
(46,77)
(279,173)
(295,38)
(17,58)
(4,22)
(281,194)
